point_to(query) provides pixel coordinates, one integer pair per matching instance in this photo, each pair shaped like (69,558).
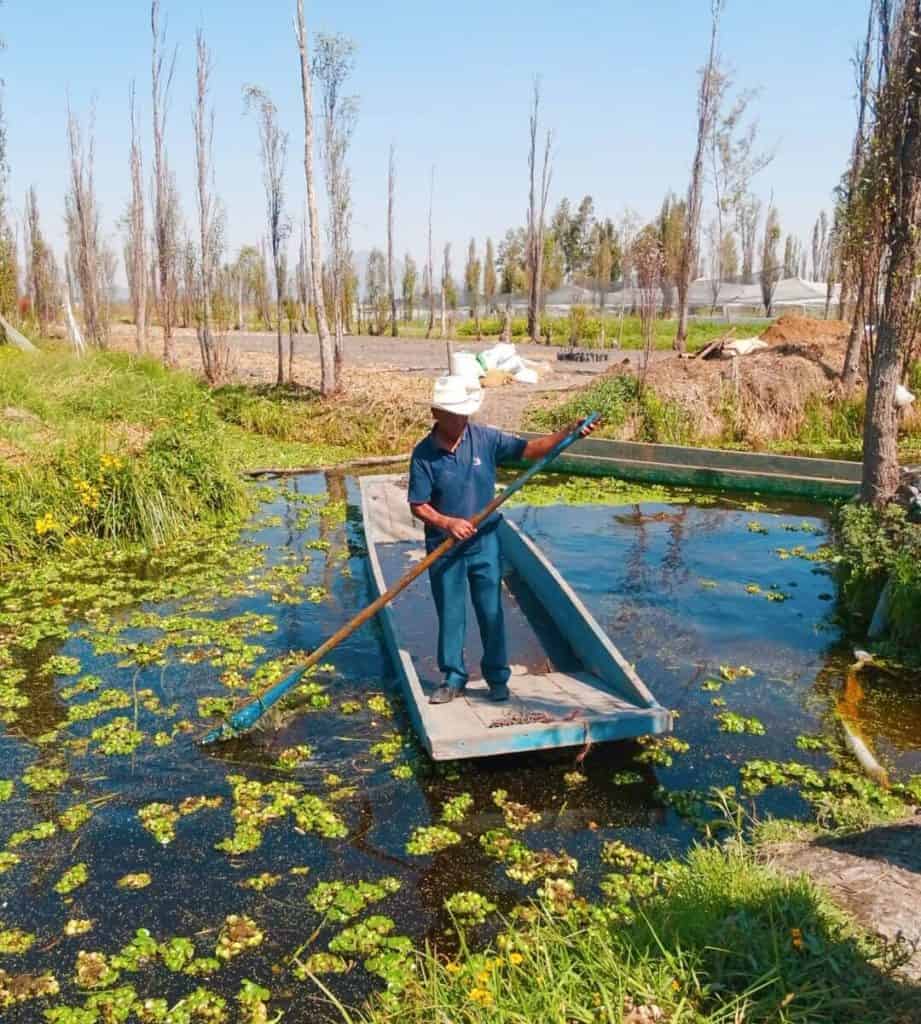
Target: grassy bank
(120,449)
(714,939)
(589,330)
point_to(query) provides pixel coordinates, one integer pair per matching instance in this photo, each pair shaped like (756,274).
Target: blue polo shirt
(463,482)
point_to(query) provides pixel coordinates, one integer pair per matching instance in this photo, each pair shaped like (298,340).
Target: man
(452,476)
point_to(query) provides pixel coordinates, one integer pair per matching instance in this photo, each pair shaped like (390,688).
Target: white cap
(454,394)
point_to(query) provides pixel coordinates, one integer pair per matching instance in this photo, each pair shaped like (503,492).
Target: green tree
(377,293)
(671,229)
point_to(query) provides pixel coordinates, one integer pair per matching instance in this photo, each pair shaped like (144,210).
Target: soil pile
(790,329)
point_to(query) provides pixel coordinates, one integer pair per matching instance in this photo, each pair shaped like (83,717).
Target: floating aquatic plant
(729,721)
(72,879)
(341,901)
(626,778)
(350,707)
(8,860)
(22,988)
(457,808)
(117,737)
(78,926)
(321,963)
(469,908)
(42,779)
(261,882)
(93,970)
(76,816)
(660,750)
(364,938)
(379,704)
(14,940)
(6,789)
(160,821)
(431,839)
(137,880)
(574,779)
(289,759)
(143,949)
(517,816)
(239,934)
(177,953)
(730,674)
(43,830)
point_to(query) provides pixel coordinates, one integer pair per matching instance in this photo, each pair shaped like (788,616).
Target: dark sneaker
(444,695)
(499,693)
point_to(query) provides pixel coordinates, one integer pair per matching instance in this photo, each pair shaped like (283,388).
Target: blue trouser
(478,562)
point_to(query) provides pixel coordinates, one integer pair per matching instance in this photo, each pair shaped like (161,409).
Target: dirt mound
(806,329)
(759,398)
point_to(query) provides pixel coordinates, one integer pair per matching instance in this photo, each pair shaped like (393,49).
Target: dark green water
(682,590)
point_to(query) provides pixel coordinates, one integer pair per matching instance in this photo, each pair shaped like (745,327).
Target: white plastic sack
(526,376)
(903,396)
(511,365)
(491,358)
(744,346)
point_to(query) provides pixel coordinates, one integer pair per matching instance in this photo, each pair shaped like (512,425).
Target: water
(684,592)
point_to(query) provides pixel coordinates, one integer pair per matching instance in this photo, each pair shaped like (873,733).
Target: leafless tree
(538,194)
(734,161)
(894,184)
(391,176)
(41,270)
(273,146)
(82,215)
(332,64)
(302,274)
(328,376)
(472,274)
(706,112)
(747,216)
(136,247)
(212,342)
(446,283)
(430,266)
(862,242)
(820,246)
(649,261)
(164,186)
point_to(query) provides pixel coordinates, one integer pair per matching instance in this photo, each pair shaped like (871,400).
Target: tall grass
(107,447)
(584,328)
(724,940)
(622,404)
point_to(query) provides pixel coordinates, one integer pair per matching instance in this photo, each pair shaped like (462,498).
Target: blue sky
(448,87)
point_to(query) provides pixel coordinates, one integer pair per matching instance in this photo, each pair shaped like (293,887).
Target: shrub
(873,547)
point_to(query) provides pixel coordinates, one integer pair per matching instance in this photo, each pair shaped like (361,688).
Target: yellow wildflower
(46,524)
(796,936)
(515,958)
(481,996)
(453,968)
(483,977)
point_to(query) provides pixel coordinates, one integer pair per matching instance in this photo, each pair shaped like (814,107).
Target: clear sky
(449,86)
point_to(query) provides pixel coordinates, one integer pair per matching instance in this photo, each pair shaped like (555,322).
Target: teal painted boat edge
(518,739)
(594,647)
(718,458)
(402,662)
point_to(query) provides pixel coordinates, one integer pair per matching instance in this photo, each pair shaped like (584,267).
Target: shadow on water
(684,591)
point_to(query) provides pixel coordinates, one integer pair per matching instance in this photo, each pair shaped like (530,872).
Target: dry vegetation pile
(806,330)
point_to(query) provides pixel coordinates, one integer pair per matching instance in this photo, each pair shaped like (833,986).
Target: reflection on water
(682,590)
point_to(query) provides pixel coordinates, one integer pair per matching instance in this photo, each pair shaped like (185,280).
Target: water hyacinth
(23,988)
(239,934)
(14,940)
(93,970)
(72,879)
(469,908)
(431,839)
(78,926)
(135,880)
(457,808)
(341,901)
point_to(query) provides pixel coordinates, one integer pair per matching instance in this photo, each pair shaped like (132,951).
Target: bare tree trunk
(73,328)
(431,263)
(162,221)
(137,235)
(537,208)
(328,381)
(394,329)
(213,365)
(897,146)
(695,188)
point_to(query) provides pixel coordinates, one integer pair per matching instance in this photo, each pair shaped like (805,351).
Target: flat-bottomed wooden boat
(570,685)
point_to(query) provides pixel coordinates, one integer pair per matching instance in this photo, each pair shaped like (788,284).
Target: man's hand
(587,428)
(460,529)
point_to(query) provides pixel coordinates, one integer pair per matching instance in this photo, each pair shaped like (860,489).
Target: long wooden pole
(247,716)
